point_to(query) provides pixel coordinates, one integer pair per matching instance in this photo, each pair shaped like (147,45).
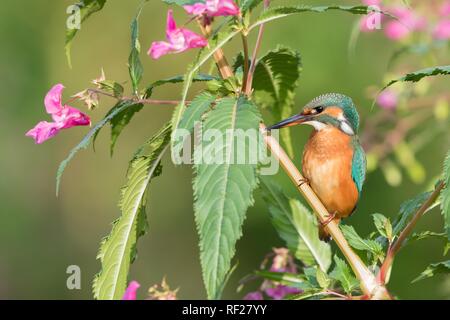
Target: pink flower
(442,30)
(395,30)
(64,117)
(255,295)
(130,292)
(280,291)
(387,99)
(445,9)
(196,8)
(407,22)
(214,8)
(179,40)
(372,2)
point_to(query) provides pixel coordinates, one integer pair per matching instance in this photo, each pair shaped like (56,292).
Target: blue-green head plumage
(341,101)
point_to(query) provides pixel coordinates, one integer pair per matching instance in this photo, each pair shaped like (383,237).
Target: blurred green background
(40,235)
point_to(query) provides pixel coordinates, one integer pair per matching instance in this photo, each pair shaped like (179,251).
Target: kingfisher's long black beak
(291,121)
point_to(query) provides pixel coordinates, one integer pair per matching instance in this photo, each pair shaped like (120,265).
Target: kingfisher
(334,162)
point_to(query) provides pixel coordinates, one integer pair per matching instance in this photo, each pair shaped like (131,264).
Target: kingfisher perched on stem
(334,163)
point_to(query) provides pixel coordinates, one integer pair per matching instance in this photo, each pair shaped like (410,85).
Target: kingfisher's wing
(358,165)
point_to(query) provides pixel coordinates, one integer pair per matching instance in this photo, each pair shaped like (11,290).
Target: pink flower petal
(43,131)
(52,100)
(216,8)
(179,40)
(372,2)
(130,292)
(70,117)
(445,9)
(64,117)
(395,30)
(195,9)
(256,295)
(280,291)
(171,24)
(158,49)
(387,99)
(442,30)
(193,40)
(407,22)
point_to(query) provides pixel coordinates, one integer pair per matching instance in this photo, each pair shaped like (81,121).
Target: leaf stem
(221,61)
(245,76)
(142,101)
(397,245)
(249,83)
(367,279)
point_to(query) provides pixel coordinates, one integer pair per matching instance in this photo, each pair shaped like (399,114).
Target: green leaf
(275,80)
(118,250)
(195,110)
(87,8)
(120,121)
(322,279)
(445,195)
(121,106)
(359,243)
(420,74)
(112,87)
(344,275)
(134,62)
(407,210)
(427,234)
(281,12)
(183,2)
(249,4)
(214,45)
(223,189)
(383,225)
(433,269)
(296,225)
(176,79)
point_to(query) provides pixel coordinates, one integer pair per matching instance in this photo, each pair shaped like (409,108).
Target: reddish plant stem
(249,83)
(221,61)
(397,245)
(246,70)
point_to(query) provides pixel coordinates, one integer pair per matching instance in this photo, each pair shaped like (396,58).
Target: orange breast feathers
(327,164)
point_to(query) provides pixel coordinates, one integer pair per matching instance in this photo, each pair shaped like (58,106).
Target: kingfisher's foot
(329,219)
(302,182)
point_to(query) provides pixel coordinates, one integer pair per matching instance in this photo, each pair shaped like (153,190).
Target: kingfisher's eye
(319,109)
